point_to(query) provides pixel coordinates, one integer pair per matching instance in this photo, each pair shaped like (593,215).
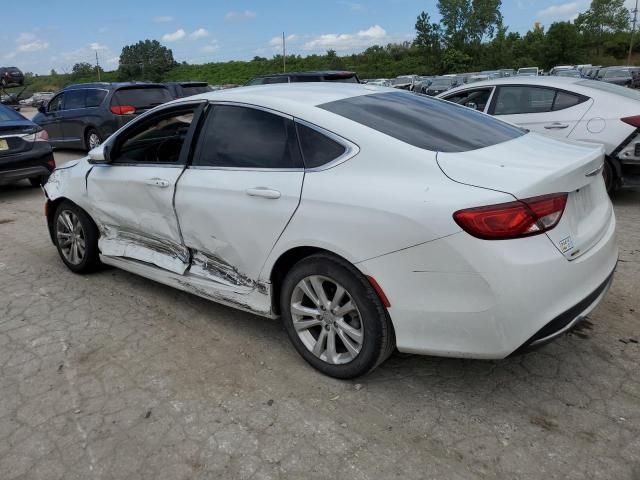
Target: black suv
(83,116)
(186,89)
(11,77)
(319,76)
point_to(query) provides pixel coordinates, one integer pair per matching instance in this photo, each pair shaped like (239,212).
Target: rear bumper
(37,162)
(464,297)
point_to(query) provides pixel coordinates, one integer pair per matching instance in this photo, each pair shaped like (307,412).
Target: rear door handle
(556,126)
(157,182)
(263,192)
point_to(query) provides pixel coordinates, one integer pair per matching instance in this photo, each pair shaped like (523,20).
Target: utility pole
(284,55)
(97,65)
(633,31)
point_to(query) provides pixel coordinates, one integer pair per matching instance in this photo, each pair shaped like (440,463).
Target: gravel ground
(111,376)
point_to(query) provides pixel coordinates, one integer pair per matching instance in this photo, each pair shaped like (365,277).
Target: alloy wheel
(71,237)
(94,140)
(327,320)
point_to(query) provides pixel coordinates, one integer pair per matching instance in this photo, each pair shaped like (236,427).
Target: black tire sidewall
(373,315)
(91,258)
(86,139)
(609,177)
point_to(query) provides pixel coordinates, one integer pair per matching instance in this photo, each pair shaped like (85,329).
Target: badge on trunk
(566,244)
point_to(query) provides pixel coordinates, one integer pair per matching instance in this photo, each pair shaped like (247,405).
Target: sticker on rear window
(566,244)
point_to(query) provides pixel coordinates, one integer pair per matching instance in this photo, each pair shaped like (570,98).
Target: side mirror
(100,154)
(41,109)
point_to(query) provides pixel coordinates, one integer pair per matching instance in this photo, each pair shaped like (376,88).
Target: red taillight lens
(123,109)
(633,121)
(522,218)
(51,163)
(42,136)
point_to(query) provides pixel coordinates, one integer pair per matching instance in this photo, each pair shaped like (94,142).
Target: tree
(428,40)
(562,44)
(603,16)
(82,69)
(146,59)
(469,22)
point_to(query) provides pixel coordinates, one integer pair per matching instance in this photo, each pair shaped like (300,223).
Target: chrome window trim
(351,149)
(148,164)
(245,169)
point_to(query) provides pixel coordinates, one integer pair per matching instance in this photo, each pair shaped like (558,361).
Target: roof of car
(307,74)
(113,85)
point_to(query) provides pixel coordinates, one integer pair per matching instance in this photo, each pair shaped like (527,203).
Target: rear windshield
(425,122)
(617,74)
(141,98)
(611,88)
(195,89)
(8,114)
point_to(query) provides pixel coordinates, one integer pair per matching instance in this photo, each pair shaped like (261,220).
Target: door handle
(157,182)
(556,126)
(263,192)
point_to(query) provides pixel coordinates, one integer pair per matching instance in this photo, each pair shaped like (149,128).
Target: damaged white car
(367,218)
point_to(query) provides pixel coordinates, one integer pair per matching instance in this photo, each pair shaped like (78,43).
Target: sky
(56,34)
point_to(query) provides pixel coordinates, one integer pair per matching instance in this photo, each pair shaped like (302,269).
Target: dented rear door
(237,197)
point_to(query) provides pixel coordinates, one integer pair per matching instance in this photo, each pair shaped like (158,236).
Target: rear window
(189,90)
(8,114)
(141,98)
(611,88)
(425,122)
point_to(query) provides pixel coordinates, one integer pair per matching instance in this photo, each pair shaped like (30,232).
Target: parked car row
(564,107)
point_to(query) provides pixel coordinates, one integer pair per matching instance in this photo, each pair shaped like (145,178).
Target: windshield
(195,89)
(402,80)
(568,73)
(617,74)
(528,71)
(442,82)
(425,122)
(611,88)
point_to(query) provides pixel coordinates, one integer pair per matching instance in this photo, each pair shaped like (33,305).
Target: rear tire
(610,177)
(76,237)
(350,335)
(38,181)
(92,139)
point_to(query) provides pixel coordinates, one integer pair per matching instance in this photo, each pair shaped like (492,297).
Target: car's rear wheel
(76,237)
(610,180)
(38,181)
(92,139)
(334,317)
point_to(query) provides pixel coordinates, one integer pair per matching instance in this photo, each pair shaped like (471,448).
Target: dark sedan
(24,150)
(623,76)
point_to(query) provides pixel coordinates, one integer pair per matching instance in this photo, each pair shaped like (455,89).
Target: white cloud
(34,46)
(212,47)
(234,16)
(10,55)
(25,37)
(199,33)
(563,11)
(277,41)
(175,36)
(162,19)
(348,41)
(97,47)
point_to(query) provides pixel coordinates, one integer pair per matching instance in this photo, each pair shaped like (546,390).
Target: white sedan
(574,108)
(366,217)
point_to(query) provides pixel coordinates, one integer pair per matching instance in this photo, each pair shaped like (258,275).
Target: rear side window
(241,137)
(519,99)
(95,97)
(317,148)
(425,122)
(566,100)
(74,99)
(141,98)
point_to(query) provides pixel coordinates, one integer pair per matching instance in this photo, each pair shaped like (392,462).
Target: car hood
(527,166)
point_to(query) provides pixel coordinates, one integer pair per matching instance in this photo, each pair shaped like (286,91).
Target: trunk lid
(534,165)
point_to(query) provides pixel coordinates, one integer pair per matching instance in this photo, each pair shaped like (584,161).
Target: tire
(368,321)
(610,177)
(92,139)
(65,217)
(38,181)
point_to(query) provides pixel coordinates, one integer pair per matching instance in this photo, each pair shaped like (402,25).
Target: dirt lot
(111,376)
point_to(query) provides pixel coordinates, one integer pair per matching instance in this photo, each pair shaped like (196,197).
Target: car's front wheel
(76,237)
(334,317)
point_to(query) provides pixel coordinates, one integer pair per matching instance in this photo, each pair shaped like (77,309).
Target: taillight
(42,136)
(521,218)
(123,109)
(633,121)
(51,163)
